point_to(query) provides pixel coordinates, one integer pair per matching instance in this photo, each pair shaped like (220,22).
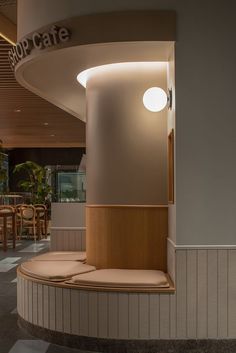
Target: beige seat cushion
(55,270)
(123,278)
(61,256)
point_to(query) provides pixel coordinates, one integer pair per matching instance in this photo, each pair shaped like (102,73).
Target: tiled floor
(12,338)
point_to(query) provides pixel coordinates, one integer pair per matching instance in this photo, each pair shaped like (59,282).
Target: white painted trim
(201,247)
(68,228)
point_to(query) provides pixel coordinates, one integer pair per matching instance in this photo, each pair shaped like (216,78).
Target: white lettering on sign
(38,41)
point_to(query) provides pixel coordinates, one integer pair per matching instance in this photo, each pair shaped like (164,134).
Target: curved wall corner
(127,144)
(126,214)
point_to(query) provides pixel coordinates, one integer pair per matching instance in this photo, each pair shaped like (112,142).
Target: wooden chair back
(7,222)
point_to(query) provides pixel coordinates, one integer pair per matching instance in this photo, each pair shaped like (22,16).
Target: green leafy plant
(3,170)
(36,181)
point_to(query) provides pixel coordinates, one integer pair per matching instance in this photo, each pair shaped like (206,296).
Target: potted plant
(35,181)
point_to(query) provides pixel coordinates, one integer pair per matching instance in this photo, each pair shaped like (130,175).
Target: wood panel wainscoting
(127,236)
(202,306)
(68,239)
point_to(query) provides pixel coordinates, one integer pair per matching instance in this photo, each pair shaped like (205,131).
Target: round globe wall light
(155,99)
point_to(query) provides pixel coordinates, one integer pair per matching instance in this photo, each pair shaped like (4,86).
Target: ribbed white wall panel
(202,307)
(68,239)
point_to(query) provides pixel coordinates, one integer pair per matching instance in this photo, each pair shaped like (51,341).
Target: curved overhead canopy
(50,71)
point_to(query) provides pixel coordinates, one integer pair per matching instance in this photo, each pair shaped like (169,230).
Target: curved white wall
(126,143)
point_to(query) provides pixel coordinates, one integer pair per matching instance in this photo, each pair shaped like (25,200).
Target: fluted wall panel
(202,307)
(68,239)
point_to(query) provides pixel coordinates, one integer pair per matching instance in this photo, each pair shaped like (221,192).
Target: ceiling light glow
(85,75)
(7,39)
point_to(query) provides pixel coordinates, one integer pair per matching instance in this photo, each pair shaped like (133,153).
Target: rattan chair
(28,219)
(41,220)
(7,225)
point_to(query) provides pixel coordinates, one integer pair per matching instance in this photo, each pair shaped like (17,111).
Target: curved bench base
(94,344)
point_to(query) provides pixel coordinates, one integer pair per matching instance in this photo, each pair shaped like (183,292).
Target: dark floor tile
(60,349)
(7,304)
(10,333)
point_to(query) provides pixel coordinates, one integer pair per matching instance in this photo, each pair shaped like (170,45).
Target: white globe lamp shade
(155,99)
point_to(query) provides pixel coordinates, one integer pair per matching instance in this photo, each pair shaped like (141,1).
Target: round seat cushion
(122,278)
(54,270)
(61,256)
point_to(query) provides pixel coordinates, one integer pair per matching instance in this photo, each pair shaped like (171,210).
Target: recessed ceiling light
(17,110)
(52,135)
(45,124)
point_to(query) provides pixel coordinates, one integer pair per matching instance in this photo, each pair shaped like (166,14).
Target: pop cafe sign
(39,41)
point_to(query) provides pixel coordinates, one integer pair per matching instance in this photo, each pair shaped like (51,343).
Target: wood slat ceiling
(23,115)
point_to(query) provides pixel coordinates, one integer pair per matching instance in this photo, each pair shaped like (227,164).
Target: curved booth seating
(55,271)
(61,256)
(73,304)
(116,278)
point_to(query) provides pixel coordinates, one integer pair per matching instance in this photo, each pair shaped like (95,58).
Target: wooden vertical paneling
(59,310)
(26,299)
(45,306)
(138,232)
(154,308)
(222,293)
(164,316)
(52,308)
(83,248)
(113,319)
(181,293)
(123,325)
(40,305)
(65,240)
(202,307)
(22,295)
(172,316)
(19,296)
(192,293)
(93,314)
(143,309)
(102,315)
(202,295)
(66,311)
(75,307)
(232,294)
(68,239)
(133,315)
(73,240)
(78,241)
(171,260)
(212,295)
(30,304)
(35,303)
(83,313)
